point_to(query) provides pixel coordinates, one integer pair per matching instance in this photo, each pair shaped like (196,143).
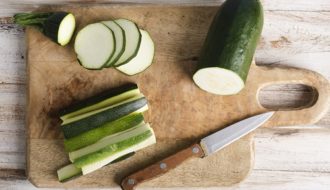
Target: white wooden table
(296,33)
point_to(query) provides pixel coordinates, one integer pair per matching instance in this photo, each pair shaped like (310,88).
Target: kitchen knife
(207,146)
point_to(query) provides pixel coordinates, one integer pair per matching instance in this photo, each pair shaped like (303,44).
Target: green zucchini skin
(98,98)
(106,129)
(233,36)
(111,149)
(136,50)
(94,121)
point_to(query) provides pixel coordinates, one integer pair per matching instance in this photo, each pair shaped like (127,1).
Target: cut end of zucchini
(218,81)
(66,29)
(68,172)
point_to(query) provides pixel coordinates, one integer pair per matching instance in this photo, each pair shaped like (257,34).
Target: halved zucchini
(132,43)
(95,119)
(143,59)
(105,99)
(94,45)
(120,41)
(107,129)
(229,47)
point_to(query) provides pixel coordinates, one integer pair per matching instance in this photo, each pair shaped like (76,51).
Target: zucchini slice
(95,44)
(120,41)
(111,139)
(99,101)
(132,43)
(102,157)
(99,117)
(143,59)
(229,47)
(107,129)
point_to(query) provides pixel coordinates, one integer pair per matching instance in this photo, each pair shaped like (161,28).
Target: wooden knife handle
(161,167)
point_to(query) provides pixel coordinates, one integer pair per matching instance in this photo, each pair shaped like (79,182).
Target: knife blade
(207,146)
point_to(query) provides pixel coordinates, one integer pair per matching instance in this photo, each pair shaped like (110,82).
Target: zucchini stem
(32,19)
(29,22)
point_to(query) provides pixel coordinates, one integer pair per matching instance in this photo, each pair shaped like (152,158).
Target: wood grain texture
(8,8)
(10,174)
(296,39)
(170,113)
(13,56)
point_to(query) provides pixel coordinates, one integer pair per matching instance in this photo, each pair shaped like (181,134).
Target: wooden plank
(299,39)
(12,101)
(14,6)
(12,54)
(293,149)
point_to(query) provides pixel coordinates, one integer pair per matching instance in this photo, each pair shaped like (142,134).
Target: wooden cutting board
(179,111)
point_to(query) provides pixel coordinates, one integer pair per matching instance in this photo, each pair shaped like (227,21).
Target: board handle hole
(287,96)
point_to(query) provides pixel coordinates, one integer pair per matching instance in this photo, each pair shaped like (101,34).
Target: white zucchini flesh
(84,115)
(110,101)
(132,43)
(94,45)
(111,139)
(120,41)
(68,172)
(92,167)
(66,29)
(218,81)
(143,59)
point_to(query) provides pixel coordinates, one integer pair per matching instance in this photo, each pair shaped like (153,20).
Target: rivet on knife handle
(161,167)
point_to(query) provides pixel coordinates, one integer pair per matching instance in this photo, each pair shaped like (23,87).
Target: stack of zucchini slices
(103,129)
(118,43)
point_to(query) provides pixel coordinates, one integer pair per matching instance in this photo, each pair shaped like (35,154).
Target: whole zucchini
(229,47)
